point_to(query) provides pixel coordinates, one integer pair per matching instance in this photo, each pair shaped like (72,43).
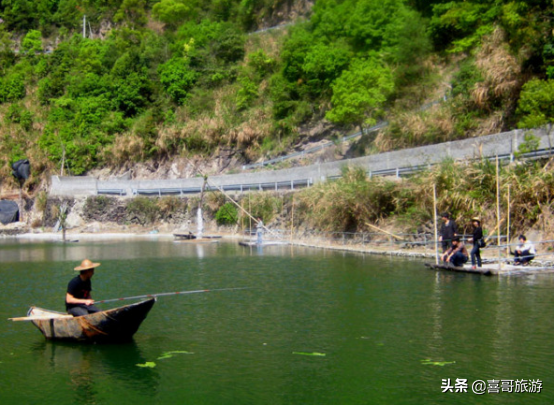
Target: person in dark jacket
(447,232)
(476,240)
(78,301)
(456,254)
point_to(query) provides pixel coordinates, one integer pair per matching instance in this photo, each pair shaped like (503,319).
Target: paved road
(397,163)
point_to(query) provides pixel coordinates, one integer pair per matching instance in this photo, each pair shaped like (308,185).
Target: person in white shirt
(525,251)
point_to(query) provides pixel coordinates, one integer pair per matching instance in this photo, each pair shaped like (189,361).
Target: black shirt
(477,234)
(448,231)
(79,289)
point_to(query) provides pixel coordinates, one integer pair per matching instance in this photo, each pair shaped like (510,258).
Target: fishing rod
(168,293)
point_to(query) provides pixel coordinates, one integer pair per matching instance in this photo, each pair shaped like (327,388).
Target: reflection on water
(375,319)
(88,366)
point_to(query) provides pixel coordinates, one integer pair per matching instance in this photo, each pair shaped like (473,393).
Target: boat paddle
(168,293)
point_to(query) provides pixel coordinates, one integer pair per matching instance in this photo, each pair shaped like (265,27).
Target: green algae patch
(148,364)
(429,362)
(310,354)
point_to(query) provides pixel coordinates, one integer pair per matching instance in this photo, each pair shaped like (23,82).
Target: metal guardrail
(303,183)
(111,191)
(279,185)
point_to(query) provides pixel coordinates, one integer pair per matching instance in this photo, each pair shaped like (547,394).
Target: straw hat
(86,265)
(476,219)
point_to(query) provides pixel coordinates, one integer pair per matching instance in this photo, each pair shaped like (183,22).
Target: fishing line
(136,297)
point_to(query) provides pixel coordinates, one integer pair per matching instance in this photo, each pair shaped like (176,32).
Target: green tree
(177,78)
(536,104)
(172,12)
(323,64)
(12,87)
(7,55)
(360,92)
(227,214)
(372,22)
(32,42)
(132,12)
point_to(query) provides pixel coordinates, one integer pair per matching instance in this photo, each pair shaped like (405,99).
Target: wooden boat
(110,326)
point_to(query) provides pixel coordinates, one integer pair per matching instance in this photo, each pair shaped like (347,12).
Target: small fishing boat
(110,326)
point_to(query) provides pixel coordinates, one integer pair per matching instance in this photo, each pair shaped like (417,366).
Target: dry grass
(126,148)
(417,128)
(500,69)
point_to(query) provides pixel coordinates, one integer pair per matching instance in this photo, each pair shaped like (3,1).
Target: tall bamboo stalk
(292,220)
(498,208)
(508,226)
(435,223)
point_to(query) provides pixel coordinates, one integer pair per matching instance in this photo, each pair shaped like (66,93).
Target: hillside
(152,85)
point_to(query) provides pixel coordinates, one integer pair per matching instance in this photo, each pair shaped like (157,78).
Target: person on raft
(447,232)
(525,252)
(78,301)
(456,254)
(478,243)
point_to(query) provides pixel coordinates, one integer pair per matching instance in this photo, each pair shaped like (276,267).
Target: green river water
(319,327)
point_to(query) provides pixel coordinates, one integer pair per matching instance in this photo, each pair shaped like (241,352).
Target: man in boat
(78,301)
(447,232)
(525,251)
(456,254)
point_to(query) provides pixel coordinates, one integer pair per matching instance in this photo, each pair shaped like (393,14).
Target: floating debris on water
(168,355)
(429,362)
(310,354)
(149,364)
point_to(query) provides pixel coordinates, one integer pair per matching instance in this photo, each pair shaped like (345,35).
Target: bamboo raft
(492,269)
(264,243)
(462,269)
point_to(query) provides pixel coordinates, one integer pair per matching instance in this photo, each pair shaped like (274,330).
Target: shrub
(143,210)
(227,214)
(171,205)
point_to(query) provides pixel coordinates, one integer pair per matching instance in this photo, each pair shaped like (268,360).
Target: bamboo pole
(498,208)
(383,231)
(292,220)
(497,227)
(435,224)
(508,226)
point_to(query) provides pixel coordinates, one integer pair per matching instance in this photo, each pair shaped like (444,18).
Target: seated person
(456,254)
(525,251)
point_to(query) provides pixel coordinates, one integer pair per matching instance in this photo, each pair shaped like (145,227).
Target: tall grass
(464,190)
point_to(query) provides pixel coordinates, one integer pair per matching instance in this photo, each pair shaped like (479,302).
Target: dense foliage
(151,79)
